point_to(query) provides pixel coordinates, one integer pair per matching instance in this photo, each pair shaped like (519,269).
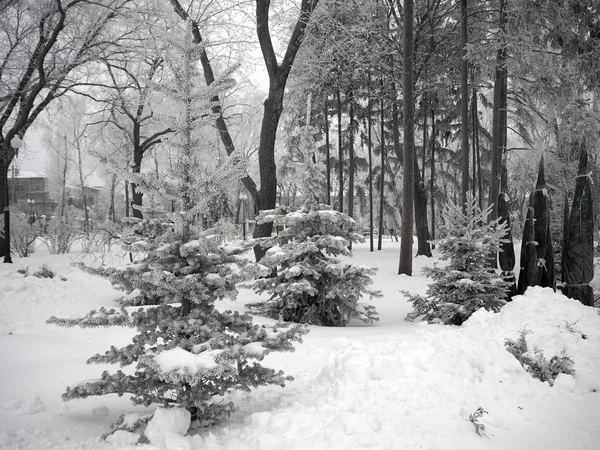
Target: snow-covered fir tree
(309,284)
(186,353)
(467,283)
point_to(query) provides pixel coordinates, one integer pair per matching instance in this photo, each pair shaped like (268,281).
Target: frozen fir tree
(186,353)
(309,284)
(467,283)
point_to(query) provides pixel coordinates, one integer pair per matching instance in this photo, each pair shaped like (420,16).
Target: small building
(26,185)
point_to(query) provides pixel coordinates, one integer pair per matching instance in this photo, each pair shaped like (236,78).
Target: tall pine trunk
(423,247)
(370,146)
(405,264)
(351,162)
(432,181)
(340,154)
(464,86)
(497,134)
(381,175)
(327,150)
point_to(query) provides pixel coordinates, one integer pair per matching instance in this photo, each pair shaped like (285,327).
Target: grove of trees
(412,104)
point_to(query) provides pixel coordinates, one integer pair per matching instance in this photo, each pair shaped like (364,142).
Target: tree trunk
(86,213)
(63,200)
(266,198)
(464,86)
(381,175)
(327,149)
(432,186)
(396,125)
(406,239)
(138,154)
(351,162)
(478,150)
(503,144)
(473,140)
(113,187)
(370,146)
(126,198)
(340,155)
(423,247)
(4,243)
(425,115)
(496,120)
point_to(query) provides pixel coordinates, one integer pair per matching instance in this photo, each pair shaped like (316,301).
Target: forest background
(485,87)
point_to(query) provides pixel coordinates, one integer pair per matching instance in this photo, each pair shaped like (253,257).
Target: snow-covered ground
(391,385)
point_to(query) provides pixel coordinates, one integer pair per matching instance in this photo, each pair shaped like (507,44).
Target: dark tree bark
(382,174)
(396,125)
(473,140)
(425,116)
(464,86)
(578,253)
(497,133)
(423,247)
(340,155)
(351,162)
(478,151)
(566,215)
(278,76)
(327,150)
(63,181)
(370,147)
(432,184)
(112,214)
(406,239)
(126,199)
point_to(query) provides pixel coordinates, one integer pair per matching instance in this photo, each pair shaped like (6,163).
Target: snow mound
(122,437)
(420,392)
(35,406)
(167,428)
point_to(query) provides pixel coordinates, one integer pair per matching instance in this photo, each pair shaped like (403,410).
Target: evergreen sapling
(310,284)
(467,283)
(186,353)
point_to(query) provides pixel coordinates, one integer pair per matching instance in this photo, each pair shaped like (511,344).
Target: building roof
(25,174)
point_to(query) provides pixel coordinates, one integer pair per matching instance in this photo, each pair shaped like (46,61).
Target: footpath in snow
(391,385)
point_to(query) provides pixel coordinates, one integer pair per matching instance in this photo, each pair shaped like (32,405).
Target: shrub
(536,363)
(44,272)
(310,284)
(60,234)
(467,283)
(23,234)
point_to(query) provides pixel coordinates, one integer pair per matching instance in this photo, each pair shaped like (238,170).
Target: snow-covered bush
(536,363)
(60,234)
(308,283)
(467,283)
(23,234)
(186,353)
(44,272)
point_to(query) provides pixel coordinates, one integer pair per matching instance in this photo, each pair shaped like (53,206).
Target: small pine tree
(186,353)
(466,283)
(310,285)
